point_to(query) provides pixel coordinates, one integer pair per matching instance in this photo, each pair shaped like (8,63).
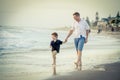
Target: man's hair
(76,13)
(54,34)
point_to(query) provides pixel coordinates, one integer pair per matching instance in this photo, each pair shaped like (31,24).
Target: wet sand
(111,72)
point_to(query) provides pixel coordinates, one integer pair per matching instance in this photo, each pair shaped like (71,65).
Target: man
(81,30)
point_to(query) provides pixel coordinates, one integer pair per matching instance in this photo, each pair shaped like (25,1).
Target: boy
(55,46)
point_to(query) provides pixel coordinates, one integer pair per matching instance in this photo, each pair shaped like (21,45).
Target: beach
(27,28)
(28,57)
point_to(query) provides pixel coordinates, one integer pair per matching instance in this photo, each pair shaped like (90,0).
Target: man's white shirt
(80,28)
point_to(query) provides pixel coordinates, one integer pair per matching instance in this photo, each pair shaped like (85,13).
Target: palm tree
(117,20)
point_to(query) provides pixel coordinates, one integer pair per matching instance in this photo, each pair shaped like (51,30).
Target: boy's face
(54,37)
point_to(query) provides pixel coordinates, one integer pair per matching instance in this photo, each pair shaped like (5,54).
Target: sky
(53,13)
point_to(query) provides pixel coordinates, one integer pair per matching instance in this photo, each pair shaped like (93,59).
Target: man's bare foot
(76,65)
(80,66)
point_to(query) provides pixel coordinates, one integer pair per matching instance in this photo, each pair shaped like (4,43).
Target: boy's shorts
(54,52)
(79,43)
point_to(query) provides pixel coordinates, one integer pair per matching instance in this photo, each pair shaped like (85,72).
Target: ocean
(35,39)
(26,39)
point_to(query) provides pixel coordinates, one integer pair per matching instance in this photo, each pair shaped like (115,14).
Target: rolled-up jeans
(79,43)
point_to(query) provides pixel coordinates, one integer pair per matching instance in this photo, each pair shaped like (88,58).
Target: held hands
(66,40)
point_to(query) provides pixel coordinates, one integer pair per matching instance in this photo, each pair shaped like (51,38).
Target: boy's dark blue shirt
(56,45)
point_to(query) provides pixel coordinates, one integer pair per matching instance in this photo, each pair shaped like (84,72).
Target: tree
(117,19)
(109,17)
(97,17)
(118,15)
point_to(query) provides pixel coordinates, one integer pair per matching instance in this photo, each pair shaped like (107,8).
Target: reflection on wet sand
(80,67)
(54,69)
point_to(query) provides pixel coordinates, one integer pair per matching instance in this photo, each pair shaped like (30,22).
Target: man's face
(77,18)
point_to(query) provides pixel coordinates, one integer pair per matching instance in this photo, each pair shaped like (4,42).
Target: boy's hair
(54,34)
(76,13)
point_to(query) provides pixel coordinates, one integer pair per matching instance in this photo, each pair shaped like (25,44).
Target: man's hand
(86,40)
(66,40)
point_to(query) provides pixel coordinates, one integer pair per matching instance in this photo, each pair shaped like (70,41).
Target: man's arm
(87,33)
(69,34)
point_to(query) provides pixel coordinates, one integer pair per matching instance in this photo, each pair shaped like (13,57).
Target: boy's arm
(51,44)
(63,42)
